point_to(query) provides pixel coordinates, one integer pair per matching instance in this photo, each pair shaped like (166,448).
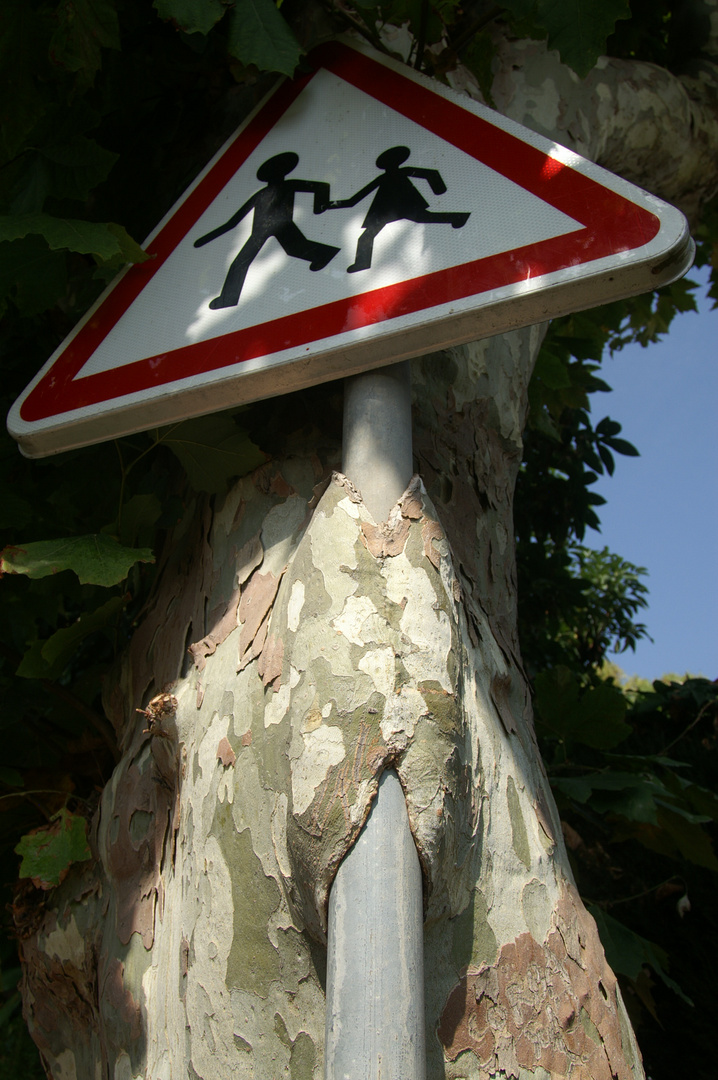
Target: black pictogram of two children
(396,199)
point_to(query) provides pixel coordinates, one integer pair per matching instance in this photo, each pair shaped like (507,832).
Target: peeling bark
(328,646)
(541,1006)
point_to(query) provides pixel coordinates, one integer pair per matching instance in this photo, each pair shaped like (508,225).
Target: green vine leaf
(96,559)
(192,16)
(75,166)
(106,242)
(84,28)
(212,450)
(578,29)
(49,852)
(259,35)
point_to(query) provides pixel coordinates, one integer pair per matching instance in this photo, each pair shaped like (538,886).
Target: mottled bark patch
(366,626)
(58,947)
(552,1006)
(253,961)
(132,842)
(119,999)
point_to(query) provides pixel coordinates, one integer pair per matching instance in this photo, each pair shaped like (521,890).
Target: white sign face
(363,214)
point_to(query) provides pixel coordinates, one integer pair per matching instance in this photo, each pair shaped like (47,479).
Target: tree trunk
(324,648)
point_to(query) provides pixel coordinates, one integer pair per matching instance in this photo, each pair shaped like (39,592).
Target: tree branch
(654,128)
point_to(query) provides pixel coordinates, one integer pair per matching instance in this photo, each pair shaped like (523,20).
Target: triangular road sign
(363,214)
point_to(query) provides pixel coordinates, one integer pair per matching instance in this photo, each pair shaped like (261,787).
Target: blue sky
(662,507)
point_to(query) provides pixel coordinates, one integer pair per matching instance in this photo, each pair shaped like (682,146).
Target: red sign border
(611,224)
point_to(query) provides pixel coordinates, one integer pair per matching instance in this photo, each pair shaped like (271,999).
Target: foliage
(581,609)
(103,123)
(639,808)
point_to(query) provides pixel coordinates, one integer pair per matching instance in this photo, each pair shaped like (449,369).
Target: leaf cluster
(565,452)
(634,776)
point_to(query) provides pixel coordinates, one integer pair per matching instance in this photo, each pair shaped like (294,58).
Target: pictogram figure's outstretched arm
(320,190)
(228,225)
(341,204)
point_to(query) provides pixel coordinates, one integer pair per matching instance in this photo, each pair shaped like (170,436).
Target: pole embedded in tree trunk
(377,451)
(375,966)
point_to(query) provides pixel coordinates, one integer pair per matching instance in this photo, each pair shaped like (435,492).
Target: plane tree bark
(325,647)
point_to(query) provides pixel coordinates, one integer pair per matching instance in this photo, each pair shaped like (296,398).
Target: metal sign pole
(375,963)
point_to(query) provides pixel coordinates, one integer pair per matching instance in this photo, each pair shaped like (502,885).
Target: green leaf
(84,28)
(96,559)
(607,427)
(623,446)
(552,371)
(478,56)
(579,29)
(578,788)
(583,788)
(48,853)
(105,241)
(635,801)
(192,16)
(703,800)
(212,450)
(259,35)
(601,718)
(76,166)
(48,659)
(691,841)
(128,250)
(607,459)
(627,952)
